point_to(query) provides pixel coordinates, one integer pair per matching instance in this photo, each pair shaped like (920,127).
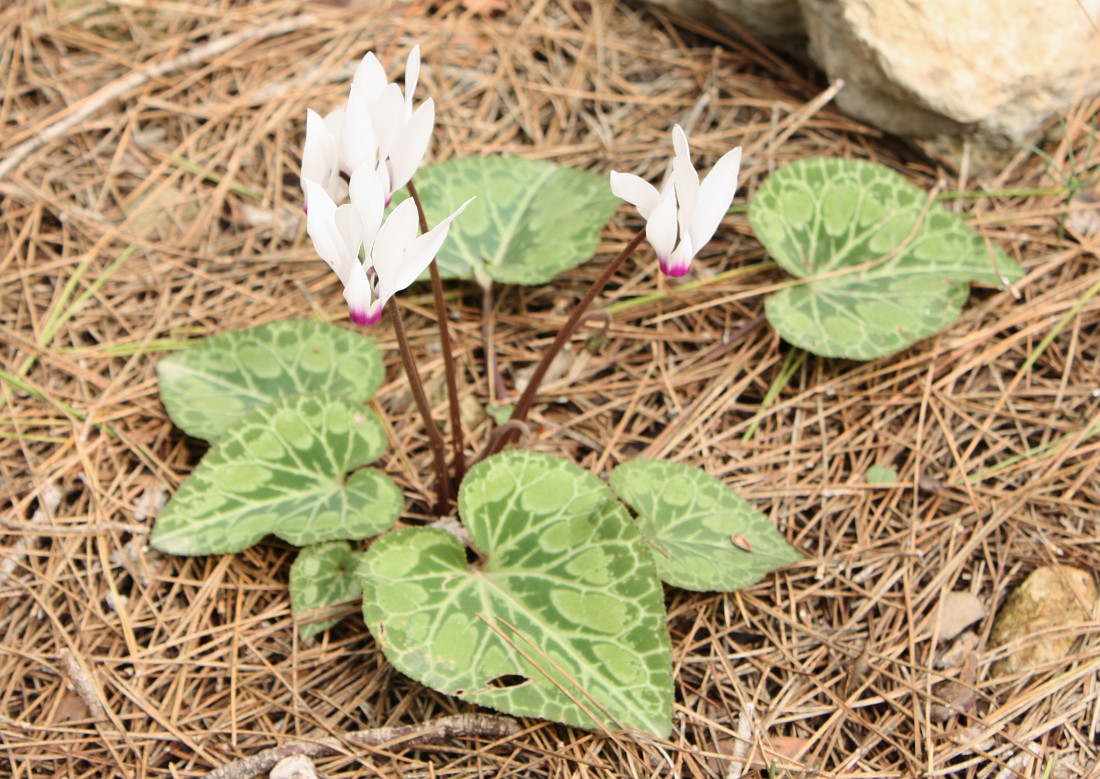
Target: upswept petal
(320,158)
(323,230)
(715,196)
(412,75)
(636,191)
(334,122)
(409,150)
(660,226)
(387,113)
(686,182)
(368,196)
(421,252)
(357,293)
(680,143)
(350,227)
(358,141)
(395,236)
(370,76)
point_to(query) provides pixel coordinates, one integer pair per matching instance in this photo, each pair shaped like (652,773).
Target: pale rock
(1035,623)
(925,67)
(922,68)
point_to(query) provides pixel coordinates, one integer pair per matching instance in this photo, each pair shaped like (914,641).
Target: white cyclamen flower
(684,214)
(374,259)
(378,127)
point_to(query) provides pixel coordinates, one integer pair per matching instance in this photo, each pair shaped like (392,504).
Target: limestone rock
(1000,68)
(1051,597)
(924,67)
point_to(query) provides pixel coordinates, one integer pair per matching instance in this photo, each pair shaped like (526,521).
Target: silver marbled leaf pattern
(885,265)
(531,220)
(563,619)
(208,387)
(703,536)
(282,471)
(322,580)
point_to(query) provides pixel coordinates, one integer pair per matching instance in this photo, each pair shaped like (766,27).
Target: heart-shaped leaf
(282,470)
(885,265)
(208,387)
(562,619)
(703,536)
(531,220)
(321,580)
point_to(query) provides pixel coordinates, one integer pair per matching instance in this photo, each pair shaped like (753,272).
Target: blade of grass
(791,363)
(1040,452)
(641,300)
(214,178)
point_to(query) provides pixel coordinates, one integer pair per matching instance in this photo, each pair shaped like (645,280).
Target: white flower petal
(686,182)
(324,232)
(350,227)
(715,196)
(680,143)
(411,146)
(334,121)
(319,152)
(421,252)
(679,263)
(368,196)
(358,142)
(636,191)
(388,115)
(370,77)
(660,227)
(394,238)
(412,76)
(357,293)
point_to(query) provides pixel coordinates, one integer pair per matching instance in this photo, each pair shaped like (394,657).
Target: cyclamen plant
(561,613)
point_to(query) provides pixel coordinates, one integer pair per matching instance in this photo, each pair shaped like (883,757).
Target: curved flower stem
(445,344)
(527,399)
(498,393)
(435,438)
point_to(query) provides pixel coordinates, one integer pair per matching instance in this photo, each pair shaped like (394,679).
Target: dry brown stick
(84,686)
(443,729)
(70,117)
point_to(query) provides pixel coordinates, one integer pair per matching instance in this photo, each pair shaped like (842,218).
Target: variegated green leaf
(282,470)
(884,265)
(563,618)
(703,536)
(531,220)
(322,581)
(211,385)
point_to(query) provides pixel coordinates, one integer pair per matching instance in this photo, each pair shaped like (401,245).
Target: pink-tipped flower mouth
(675,270)
(364,318)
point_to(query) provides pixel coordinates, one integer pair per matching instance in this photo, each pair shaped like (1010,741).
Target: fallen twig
(84,686)
(444,729)
(742,744)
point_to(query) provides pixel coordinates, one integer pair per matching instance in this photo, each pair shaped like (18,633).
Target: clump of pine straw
(151,197)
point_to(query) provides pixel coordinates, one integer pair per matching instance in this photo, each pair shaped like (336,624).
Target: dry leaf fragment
(958,695)
(956,654)
(958,611)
